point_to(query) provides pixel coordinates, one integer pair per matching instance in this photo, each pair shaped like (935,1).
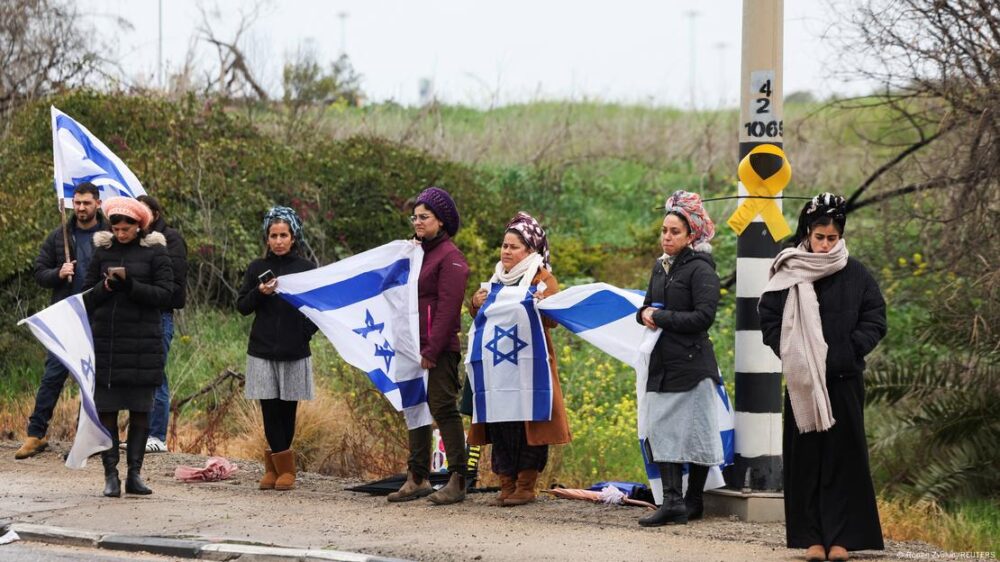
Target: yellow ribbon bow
(765,172)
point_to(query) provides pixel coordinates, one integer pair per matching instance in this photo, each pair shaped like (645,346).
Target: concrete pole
(758,372)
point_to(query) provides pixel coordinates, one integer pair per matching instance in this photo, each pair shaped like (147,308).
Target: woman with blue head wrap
(279,366)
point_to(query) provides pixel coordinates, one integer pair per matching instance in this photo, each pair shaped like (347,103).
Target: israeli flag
(604,315)
(508,361)
(64,330)
(79,156)
(366,305)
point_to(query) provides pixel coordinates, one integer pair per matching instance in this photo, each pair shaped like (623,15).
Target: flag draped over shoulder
(604,315)
(508,361)
(64,330)
(79,156)
(366,305)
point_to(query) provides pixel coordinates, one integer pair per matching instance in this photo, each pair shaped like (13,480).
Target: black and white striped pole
(763,174)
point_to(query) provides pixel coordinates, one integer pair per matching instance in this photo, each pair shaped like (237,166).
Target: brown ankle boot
(411,490)
(452,492)
(31,447)
(838,553)
(524,491)
(815,553)
(284,465)
(270,473)
(508,484)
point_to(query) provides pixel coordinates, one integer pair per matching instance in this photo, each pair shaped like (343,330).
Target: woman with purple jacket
(440,290)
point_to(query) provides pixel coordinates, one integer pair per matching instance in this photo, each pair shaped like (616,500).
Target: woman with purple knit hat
(440,290)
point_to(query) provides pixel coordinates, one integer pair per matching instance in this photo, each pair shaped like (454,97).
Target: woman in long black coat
(124,310)
(830,503)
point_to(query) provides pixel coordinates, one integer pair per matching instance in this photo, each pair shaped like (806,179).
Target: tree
(42,49)
(307,86)
(938,66)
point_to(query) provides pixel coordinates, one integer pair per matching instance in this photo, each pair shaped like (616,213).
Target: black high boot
(134,455)
(697,474)
(112,485)
(673,510)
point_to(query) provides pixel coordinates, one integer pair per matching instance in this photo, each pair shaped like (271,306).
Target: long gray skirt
(287,380)
(683,427)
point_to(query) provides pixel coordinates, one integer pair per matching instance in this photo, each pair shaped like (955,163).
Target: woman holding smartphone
(279,365)
(131,279)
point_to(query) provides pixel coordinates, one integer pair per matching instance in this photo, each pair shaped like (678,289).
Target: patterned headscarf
(283,214)
(534,236)
(823,205)
(690,206)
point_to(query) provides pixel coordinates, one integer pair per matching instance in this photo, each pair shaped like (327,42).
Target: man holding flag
(60,266)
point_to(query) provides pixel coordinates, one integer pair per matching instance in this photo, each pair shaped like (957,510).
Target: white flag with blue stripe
(366,305)
(604,315)
(508,360)
(64,330)
(79,156)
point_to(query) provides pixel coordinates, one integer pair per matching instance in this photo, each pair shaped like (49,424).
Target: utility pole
(758,465)
(343,32)
(692,15)
(159,50)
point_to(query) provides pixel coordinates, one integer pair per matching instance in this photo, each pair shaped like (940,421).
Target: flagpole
(65,230)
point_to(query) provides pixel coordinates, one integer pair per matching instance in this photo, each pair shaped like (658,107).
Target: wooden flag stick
(65,229)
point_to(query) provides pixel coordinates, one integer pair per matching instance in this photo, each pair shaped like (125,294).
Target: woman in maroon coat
(440,291)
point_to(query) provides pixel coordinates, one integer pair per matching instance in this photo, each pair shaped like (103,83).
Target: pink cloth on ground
(216,468)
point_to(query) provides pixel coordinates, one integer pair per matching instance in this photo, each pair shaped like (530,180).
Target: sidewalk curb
(181,548)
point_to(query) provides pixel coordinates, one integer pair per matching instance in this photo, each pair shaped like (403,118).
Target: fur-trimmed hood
(104,238)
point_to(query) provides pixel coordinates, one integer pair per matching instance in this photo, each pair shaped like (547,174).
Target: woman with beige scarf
(822,313)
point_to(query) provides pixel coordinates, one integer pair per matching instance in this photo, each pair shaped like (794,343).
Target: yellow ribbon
(762,187)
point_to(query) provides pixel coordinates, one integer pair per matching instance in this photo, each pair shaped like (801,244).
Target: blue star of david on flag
(386,352)
(494,345)
(370,326)
(87,367)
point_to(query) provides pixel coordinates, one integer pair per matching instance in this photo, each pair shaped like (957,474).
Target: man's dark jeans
(48,394)
(160,417)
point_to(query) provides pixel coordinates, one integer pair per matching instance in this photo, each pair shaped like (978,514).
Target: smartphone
(266,277)
(118,272)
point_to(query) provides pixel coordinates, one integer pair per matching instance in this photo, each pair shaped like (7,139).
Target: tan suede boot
(31,447)
(815,553)
(284,465)
(507,486)
(270,473)
(452,492)
(524,491)
(838,553)
(410,490)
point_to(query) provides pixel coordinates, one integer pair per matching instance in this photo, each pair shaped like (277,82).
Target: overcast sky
(479,52)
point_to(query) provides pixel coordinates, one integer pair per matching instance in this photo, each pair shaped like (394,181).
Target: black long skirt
(829,495)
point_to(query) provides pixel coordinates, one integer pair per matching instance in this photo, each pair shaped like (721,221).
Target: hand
(479,298)
(67,269)
(116,284)
(269,287)
(647,317)
(426,363)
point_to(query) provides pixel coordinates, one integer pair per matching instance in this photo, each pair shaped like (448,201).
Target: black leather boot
(673,511)
(134,455)
(697,474)
(112,485)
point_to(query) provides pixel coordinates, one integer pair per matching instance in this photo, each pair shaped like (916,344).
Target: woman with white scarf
(822,313)
(681,300)
(520,449)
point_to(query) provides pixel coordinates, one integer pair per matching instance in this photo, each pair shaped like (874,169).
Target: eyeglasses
(420,218)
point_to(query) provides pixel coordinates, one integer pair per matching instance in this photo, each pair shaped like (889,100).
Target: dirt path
(320,514)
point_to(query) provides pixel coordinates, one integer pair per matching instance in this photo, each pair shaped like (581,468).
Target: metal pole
(758,372)
(691,15)
(159,51)
(343,32)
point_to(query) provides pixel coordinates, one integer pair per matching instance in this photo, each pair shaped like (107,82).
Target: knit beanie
(443,206)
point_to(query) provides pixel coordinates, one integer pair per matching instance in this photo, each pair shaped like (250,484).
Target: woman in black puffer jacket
(681,419)
(124,312)
(279,362)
